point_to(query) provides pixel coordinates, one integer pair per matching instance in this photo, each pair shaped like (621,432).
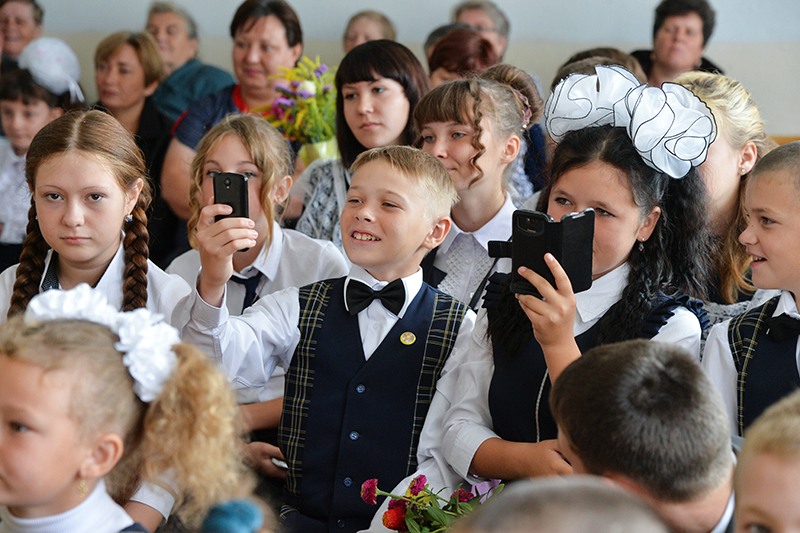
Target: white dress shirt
(96,514)
(291,260)
(718,360)
(249,347)
(468,423)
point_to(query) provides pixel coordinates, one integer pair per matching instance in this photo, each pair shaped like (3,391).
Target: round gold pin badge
(408,338)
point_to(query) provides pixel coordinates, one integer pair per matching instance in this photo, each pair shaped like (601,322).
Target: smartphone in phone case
(569,240)
(230,188)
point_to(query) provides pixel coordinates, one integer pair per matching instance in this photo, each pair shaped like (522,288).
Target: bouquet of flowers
(421,510)
(305,109)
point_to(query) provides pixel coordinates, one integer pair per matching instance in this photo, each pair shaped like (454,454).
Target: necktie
(359,296)
(782,327)
(250,288)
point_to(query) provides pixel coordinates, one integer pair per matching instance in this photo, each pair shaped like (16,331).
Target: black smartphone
(230,188)
(570,240)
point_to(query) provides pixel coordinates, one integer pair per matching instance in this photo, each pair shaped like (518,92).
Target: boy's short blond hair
(784,158)
(776,432)
(433,181)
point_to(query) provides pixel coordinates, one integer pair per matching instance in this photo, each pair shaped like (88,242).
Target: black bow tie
(782,327)
(359,296)
(250,288)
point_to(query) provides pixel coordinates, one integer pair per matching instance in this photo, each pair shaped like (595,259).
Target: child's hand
(260,455)
(545,459)
(552,317)
(217,242)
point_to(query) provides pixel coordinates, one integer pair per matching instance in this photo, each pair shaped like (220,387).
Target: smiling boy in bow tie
(363,353)
(753,358)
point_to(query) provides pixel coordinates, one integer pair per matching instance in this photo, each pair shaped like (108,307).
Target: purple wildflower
(320,70)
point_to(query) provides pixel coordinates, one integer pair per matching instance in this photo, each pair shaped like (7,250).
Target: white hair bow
(669,126)
(144,339)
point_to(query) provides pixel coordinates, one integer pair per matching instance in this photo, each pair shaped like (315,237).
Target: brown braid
(31,266)
(134,286)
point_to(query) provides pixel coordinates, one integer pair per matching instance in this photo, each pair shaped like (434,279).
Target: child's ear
(106,451)
(438,232)
(747,157)
(280,191)
(648,225)
(133,195)
(510,150)
(55,112)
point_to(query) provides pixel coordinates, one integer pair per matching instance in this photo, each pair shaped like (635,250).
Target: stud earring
(743,171)
(128,218)
(82,488)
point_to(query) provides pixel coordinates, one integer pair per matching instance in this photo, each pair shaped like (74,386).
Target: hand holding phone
(570,240)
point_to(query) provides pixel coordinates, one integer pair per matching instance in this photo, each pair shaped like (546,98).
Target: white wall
(756,42)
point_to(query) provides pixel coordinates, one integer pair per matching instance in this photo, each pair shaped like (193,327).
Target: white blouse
(468,423)
(96,514)
(468,262)
(167,295)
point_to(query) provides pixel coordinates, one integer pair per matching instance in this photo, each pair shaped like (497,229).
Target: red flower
(417,485)
(463,495)
(395,519)
(369,491)
(397,504)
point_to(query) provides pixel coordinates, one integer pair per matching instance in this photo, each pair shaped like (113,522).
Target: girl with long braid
(87,224)
(87,221)
(629,152)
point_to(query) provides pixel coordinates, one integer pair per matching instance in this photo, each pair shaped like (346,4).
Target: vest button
(340,523)
(354,435)
(360,388)
(348,481)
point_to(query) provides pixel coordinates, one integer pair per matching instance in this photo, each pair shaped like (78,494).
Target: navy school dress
(522,379)
(347,419)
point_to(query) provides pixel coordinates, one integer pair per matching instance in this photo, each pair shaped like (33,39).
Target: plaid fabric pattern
(442,333)
(447,316)
(742,333)
(300,378)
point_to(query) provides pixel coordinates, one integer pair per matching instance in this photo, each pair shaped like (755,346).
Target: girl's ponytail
(191,433)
